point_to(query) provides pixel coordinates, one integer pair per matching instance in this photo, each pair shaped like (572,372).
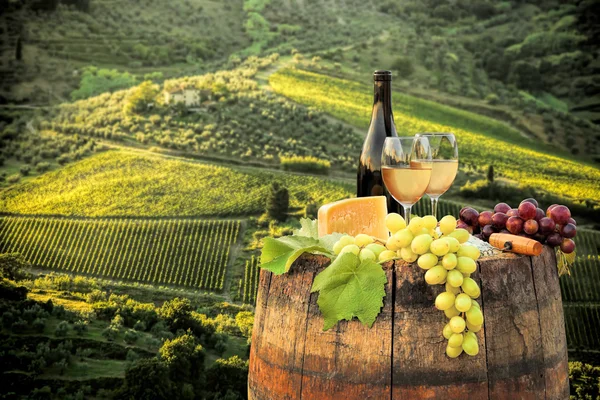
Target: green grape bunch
(442,251)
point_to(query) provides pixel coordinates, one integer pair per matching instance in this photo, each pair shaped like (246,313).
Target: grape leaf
(278,255)
(350,288)
(564,262)
(310,228)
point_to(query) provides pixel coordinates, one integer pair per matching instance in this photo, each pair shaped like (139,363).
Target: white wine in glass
(444,162)
(406,169)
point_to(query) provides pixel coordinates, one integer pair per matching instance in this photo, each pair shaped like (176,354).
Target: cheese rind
(354,216)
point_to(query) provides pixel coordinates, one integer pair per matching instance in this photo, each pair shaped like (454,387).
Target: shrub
(245,321)
(39,324)
(25,169)
(305,164)
(584,380)
(110,333)
(62,329)
(80,327)
(491,99)
(13,178)
(130,336)
(42,166)
(403,66)
(19,326)
(139,326)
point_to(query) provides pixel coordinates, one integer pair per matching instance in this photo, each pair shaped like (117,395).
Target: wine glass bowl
(406,169)
(444,161)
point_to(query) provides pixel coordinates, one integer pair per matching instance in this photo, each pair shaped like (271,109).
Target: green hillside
(482,141)
(121,183)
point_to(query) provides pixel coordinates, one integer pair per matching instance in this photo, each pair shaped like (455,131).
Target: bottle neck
(382,104)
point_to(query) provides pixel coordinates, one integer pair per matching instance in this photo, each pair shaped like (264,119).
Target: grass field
(120,183)
(482,141)
(182,252)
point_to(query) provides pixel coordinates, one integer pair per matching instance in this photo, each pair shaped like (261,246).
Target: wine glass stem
(407,213)
(434,204)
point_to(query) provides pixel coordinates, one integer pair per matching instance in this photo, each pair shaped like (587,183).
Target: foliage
(480,138)
(149,185)
(140,97)
(148,379)
(278,202)
(584,380)
(228,375)
(184,357)
(12,266)
(123,249)
(245,322)
(350,288)
(95,81)
(305,164)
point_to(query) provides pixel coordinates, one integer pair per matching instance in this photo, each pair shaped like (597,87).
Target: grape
(387,255)
(445,300)
(465,226)
(455,279)
(469,215)
(338,246)
(550,209)
(527,211)
(461,235)
(451,312)
(466,265)
(547,225)
(568,231)
(471,288)
(531,200)
(539,214)
(407,255)
(513,212)
(361,240)
(351,248)
(514,225)
(531,226)
(499,220)
(572,221)
(393,243)
(504,231)
(567,246)
(501,208)
(560,215)
(449,261)
(470,345)
(439,247)
(429,222)
(415,225)
(421,243)
(453,352)
(376,248)
(404,237)
(474,316)
(468,250)
(476,304)
(462,302)
(554,239)
(453,243)
(473,328)
(455,340)
(394,222)
(487,231)
(346,240)
(457,324)
(447,224)
(427,261)
(447,332)
(436,275)
(449,287)
(366,254)
(485,218)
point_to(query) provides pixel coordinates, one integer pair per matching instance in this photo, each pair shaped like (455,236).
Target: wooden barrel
(523,353)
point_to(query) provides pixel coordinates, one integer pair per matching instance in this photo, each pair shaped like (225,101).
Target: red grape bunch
(555,227)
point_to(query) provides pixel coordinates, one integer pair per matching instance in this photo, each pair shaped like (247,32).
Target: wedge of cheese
(354,216)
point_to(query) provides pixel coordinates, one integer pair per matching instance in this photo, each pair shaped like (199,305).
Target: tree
(525,76)
(228,375)
(147,379)
(403,66)
(184,357)
(62,328)
(278,202)
(245,321)
(140,97)
(19,49)
(12,266)
(490,174)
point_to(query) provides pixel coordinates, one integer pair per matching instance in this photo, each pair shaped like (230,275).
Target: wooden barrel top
(523,353)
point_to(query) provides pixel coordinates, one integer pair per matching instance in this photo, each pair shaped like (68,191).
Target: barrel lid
(382,75)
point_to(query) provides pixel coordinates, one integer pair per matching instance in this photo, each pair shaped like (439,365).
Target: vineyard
(480,138)
(182,252)
(120,183)
(249,285)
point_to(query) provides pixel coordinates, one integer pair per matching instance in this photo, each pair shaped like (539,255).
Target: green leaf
(350,288)
(310,228)
(278,255)
(329,240)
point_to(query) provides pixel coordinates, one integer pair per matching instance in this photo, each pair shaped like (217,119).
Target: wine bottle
(369,180)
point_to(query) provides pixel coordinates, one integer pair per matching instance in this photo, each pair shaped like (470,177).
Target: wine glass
(444,157)
(406,169)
